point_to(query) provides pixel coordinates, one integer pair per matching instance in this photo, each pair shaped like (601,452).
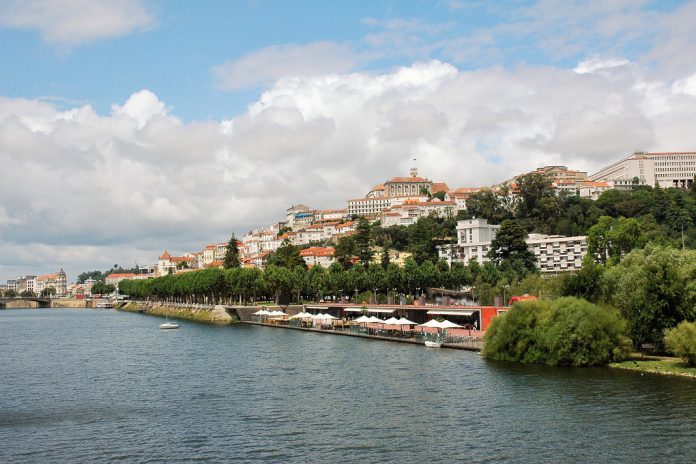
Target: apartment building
(554,253)
(666,169)
(318,256)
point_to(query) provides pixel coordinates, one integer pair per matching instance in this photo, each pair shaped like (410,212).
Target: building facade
(553,253)
(666,169)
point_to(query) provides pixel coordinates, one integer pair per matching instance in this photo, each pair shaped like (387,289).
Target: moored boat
(429,344)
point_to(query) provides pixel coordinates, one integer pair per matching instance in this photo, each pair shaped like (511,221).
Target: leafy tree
(421,240)
(48,291)
(612,238)
(654,289)
(345,251)
(681,340)
(100,288)
(509,244)
(231,254)
(567,332)
(27,294)
(586,283)
(287,255)
(11,293)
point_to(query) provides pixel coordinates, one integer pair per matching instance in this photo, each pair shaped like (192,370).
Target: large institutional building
(669,169)
(554,253)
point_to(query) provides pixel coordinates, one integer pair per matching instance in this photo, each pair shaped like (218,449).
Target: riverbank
(656,365)
(215,316)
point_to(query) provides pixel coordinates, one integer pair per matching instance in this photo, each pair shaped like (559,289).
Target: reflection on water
(98,385)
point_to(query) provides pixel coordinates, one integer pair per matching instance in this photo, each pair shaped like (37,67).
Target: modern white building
(668,169)
(554,253)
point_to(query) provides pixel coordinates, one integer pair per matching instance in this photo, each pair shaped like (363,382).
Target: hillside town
(402,201)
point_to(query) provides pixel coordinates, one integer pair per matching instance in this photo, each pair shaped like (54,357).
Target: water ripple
(102,386)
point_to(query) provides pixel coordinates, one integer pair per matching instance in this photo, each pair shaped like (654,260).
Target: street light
(504,300)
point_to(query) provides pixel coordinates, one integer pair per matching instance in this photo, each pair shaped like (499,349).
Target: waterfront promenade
(470,343)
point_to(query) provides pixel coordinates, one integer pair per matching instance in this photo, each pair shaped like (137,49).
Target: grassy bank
(188,314)
(656,365)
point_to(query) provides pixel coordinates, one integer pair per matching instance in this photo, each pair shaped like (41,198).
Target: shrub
(567,332)
(681,340)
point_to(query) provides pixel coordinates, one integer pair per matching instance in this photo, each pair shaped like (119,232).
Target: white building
(669,169)
(554,253)
(318,256)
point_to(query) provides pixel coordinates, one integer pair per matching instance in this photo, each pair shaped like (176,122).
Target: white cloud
(685,86)
(83,190)
(594,64)
(68,23)
(267,65)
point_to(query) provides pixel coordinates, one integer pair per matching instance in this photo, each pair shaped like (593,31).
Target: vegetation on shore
(565,332)
(656,365)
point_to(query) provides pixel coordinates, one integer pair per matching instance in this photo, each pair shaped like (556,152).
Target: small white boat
(167,324)
(429,344)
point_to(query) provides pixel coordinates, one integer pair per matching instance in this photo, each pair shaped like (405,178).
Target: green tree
(566,332)
(612,238)
(655,290)
(287,255)
(362,240)
(48,291)
(231,254)
(681,341)
(100,288)
(509,244)
(345,251)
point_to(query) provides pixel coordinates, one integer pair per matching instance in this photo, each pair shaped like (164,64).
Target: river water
(105,386)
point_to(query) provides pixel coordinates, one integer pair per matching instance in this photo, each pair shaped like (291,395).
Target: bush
(566,332)
(681,340)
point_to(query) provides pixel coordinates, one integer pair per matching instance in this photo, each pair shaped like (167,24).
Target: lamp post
(356,295)
(504,300)
(376,302)
(341,290)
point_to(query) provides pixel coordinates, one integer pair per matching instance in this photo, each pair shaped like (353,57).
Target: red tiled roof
(120,276)
(397,180)
(165,255)
(440,187)
(317,251)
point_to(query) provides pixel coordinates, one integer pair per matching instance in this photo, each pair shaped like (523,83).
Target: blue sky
(175,53)
(131,126)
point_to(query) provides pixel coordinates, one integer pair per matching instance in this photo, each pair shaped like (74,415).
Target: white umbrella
(375,319)
(277,313)
(392,321)
(297,316)
(448,325)
(319,316)
(262,312)
(404,321)
(329,316)
(432,323)
(363,319)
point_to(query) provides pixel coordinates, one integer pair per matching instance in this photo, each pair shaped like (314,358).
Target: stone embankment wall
(20,304)
(217,315)
(71,303)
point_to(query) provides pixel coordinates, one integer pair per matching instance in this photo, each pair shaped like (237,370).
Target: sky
(133,126)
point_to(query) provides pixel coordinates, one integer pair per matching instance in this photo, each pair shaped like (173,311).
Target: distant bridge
(43,302)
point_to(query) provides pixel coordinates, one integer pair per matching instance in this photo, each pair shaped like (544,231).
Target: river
(105,386)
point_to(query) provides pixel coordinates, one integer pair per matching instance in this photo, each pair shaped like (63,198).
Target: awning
(317,307)
(451,312)
(369,310)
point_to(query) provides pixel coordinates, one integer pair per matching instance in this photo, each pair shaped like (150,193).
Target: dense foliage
(566,332)
(655,289)
(681,340)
